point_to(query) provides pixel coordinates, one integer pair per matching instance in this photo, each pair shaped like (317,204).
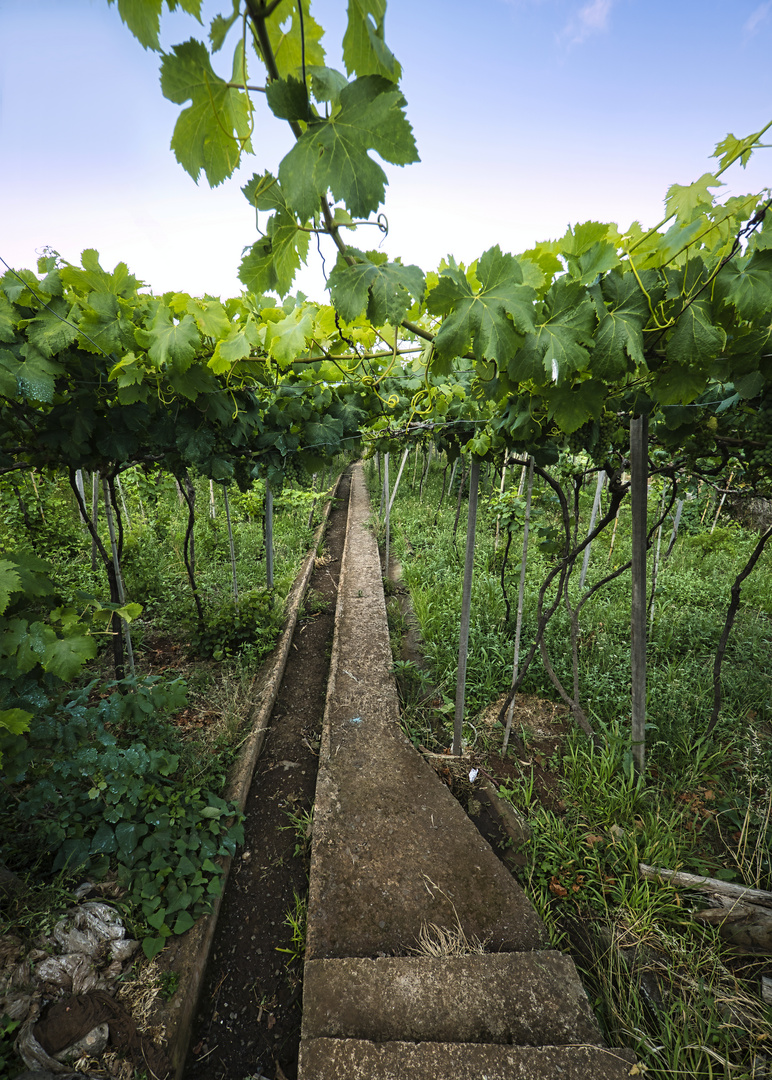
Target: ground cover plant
(685,995)
(120,779)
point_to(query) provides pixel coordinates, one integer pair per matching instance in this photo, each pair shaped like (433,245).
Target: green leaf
(731,148)
(600,258)
(290,43)
(288,99)
(622,311)
(326,83)
(289,336)
(52,328)
(65,657)
(332,154)
(695,341)
(143,18)
(364,47)
(8,319)
(386,291)
(746,285)
(220,25)
(184,922)
(212,132)
(104,841)
(210,316)
(677,385)
(36,376)
(170,344)
(16,721)
(91,277)
(106,326)
(272,262)
(237,345)
(157,918)
(493,319)
(152,946)
(572,406)
(10,582)
(685,202)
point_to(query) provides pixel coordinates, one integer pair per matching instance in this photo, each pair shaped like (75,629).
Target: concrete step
(355,1059)
(392,848)
(522,998)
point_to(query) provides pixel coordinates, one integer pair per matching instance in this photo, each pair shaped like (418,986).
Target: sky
(529,115)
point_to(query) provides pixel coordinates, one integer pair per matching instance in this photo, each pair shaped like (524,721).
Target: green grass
(661,982)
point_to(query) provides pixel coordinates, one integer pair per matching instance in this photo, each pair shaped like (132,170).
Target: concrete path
(394,855)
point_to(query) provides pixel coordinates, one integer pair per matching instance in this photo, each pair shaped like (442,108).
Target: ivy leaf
(695,341)
(273,261)
(364,48)
(491,320)
(332,154)
(214,130)
(385,290)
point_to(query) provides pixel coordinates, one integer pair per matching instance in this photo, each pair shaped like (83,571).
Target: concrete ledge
(531,999)
(392,848)
(352,1059)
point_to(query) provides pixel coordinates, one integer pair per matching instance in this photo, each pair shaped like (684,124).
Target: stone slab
(334,1059)
(392,849)
(531,999)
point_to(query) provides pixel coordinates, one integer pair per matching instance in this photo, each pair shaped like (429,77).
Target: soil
(248,1023)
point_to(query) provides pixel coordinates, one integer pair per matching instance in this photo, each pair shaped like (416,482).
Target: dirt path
(248,1024)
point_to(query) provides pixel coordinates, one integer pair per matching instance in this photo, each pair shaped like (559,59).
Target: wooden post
(268,536)
(520,597)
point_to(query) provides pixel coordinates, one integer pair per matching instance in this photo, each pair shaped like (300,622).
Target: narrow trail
(392,854)
(248,1023)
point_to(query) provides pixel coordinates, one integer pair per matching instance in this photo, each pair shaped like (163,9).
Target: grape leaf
(10,582)
(220,25)
(273,261)
(8,319)
(212,132)
(730,148)
(326,83)
(91,277)
(678,385)
(288,336)
(237,345)
(364,48)
(288,99)
(52,329)
(37,375)
(561,342)
(289,43)
(105,325)
(170,344)
(386,290)
(572,406)
(683,202)
(9,367)
(622,312)
(695,340)
(746,285)
(491,320)
(332,154)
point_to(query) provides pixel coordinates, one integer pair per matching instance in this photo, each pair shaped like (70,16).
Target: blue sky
(530,115)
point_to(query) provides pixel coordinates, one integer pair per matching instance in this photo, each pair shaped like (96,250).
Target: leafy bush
(254,621)
(99,791)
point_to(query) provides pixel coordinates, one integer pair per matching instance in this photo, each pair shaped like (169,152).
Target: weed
(295,920)
(302,823)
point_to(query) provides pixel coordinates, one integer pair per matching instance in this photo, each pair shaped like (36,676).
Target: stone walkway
(395,854)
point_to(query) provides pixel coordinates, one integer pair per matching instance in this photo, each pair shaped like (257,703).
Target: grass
(662,982)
